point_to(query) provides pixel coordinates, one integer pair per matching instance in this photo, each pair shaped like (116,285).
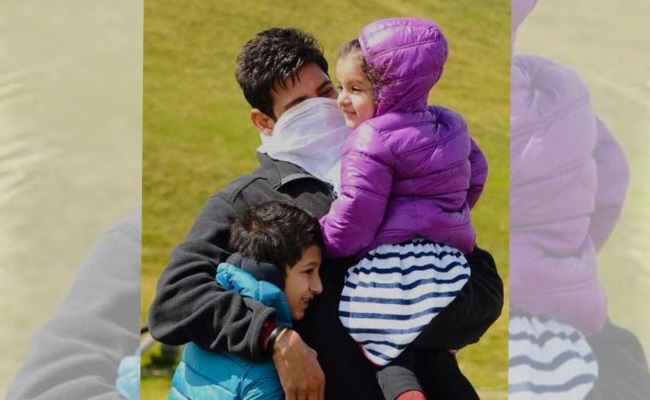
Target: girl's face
(356,98)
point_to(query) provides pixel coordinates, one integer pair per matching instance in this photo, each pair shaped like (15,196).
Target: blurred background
(70,150)
(71,90)
(606,43)
(198,136)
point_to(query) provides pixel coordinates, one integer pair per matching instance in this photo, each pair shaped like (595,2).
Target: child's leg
(399,377)
(436,367)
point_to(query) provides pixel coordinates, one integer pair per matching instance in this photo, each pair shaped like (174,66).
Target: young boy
(278,255)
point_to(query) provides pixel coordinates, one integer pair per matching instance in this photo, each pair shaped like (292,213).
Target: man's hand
(300,375)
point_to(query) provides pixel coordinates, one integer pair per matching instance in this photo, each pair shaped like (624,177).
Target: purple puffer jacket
(568,179)
(412,170)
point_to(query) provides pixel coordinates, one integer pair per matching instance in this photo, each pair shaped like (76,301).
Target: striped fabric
(548,360)
(395,291)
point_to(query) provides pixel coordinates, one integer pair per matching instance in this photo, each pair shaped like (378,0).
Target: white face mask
(310,135)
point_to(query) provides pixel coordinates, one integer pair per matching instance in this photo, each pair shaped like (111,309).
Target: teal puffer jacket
(211,375)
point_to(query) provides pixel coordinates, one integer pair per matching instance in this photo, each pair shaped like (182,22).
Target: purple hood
(412,170)
(568,179)
(409,54)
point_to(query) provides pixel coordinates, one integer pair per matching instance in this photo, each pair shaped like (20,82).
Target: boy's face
(356,97)
(302,282)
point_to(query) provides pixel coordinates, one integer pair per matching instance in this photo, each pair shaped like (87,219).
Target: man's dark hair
(275,232)
(272,57)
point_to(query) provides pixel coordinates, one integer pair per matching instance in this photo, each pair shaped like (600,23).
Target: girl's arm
(613,179)
(479,174)
(366,181)
(479,167)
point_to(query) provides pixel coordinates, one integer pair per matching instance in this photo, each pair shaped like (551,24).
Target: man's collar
(281,172)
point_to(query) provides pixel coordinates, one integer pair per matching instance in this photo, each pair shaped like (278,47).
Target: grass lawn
(197,136)
(154,387)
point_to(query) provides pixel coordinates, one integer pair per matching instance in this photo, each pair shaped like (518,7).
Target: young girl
(409,175)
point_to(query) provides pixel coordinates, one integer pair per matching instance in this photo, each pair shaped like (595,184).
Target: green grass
(197,135)
(154,387)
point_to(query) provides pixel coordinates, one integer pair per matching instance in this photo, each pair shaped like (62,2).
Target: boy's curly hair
(275,232)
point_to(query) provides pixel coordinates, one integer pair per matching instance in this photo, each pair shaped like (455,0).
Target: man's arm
(476,308)
(190,306)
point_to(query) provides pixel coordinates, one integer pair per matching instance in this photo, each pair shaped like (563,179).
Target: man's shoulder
(249,181)
(262,183)
(262,179)
(273,180)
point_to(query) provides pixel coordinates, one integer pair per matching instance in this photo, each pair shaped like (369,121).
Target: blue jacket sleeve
(262,383)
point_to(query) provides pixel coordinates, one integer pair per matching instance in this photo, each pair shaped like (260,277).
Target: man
(278,70)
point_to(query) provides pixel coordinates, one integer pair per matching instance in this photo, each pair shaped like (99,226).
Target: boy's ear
(263,122)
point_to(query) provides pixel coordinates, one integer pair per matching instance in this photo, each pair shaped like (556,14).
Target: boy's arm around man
(191,306)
